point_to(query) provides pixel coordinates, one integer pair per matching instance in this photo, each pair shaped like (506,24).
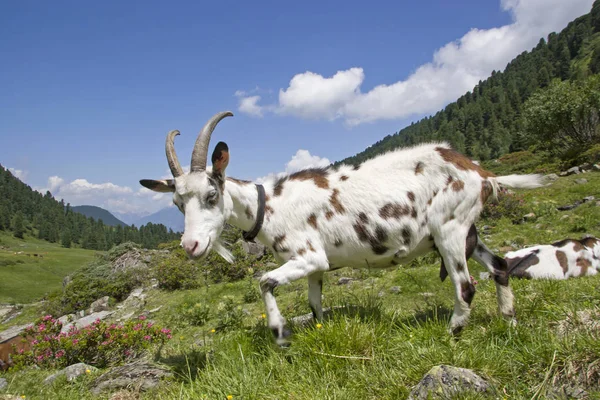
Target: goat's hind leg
(315,289)
(499,270)
(451,245)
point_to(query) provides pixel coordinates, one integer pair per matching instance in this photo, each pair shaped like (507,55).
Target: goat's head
(199,195)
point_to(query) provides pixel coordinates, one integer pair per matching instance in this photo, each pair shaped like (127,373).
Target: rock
(506,249)
(484,275)
(66,319)
(581,181)
(588,198)
(529,217)
(344,280)
(566,216)
(395,289)
(550,177)
(573,171)
(12,332)
(253,248)
(381,293)
(585,166)
(85,321)
(71,372)
(445,381)
(3,383)
(147,259)
(568,206)
(564,173)
(99,305)
(140,374)
(595,167)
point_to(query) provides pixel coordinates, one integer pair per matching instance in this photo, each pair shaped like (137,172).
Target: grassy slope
(25,278)
(398,337)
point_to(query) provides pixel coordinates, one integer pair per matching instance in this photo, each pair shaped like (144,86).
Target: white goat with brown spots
(568,258)
(383,213)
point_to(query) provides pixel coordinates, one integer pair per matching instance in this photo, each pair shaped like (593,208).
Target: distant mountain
(170,217)
(129,218)
(99,214)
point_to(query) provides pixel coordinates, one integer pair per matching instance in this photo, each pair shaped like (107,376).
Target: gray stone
(85,321)
(550,177)
(484,275)
(595,167)
(564,173)
(585,166)
(445,381)
(253,248)
(71,372)
(344,280)
(12,332)
(99,305)
(588,198)
(581,181)
(3,383)
(140,374)
(529,217)
(395,289)
(573,171)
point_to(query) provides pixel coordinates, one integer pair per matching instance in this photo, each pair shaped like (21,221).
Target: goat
(383,213)
(568,258)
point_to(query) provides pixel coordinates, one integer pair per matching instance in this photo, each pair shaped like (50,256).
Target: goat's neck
(244,204)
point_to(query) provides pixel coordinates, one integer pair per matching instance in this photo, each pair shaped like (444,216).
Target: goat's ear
(220,159)
(162,186)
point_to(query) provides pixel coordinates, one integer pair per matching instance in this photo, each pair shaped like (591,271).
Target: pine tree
(18,225)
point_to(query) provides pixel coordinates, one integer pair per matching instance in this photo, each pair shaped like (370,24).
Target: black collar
(260,215)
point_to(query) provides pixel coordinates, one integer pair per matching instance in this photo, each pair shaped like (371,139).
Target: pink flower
(147,337)
(34,342)
(165,330)
(142,317)
(46,317)
(59,354)
(41,327)
(150,324)
(75,341)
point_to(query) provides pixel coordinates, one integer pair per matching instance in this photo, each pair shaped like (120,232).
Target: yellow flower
(22,396)
(263,316)
(180,337)
(319,326)
(229,397)
(212,330)
(87,371)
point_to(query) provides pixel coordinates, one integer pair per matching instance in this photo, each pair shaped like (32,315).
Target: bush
(177,273)
(98,344)
(231,316)
(252,293)
(509,205)
(193,312)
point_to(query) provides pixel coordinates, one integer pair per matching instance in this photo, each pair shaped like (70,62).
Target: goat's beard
(223,251)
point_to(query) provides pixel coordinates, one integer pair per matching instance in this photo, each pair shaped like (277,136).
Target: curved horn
(200,153)
(171,155)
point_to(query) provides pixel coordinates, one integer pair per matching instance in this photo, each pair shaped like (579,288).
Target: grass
(377,344)
(25,278)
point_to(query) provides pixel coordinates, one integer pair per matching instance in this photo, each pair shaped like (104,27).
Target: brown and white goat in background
(568,258)
(383,213)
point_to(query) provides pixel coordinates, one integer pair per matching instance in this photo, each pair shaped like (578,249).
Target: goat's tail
(529,181)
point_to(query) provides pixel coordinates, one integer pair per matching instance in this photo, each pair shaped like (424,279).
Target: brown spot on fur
(562,260)
(457,186)
(343,178)
(312,220)
(310,246)
(329,215)
(238,181)
(577,246)
(584,264)
(338,243)
(419,168)
(467,291)
(277,247)
(356,167)
(278,187)
(376,241)
(301,252)
(363,218)
(393,210)
(411,196)
(589,242)
(449,180)
(361,232)
(268,209)
(435,192)
(336,203)
(248,213)
(462,162)
(318,175)
(486,190)
(430,200)
(460,267)
(518,266)
(406,236)
(413,213)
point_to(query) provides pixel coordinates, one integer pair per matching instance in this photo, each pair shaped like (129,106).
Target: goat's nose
(190,246)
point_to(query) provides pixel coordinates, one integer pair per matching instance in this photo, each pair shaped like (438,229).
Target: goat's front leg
(290,271)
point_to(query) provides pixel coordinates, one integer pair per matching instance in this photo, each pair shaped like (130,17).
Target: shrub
(177,272)
(252,293)
(193,312)
(98,344)
(231,316)
(510,205)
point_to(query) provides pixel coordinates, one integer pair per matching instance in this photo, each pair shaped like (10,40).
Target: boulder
(446,381)
(71,372)
(581,181)
(3,383)
(253,248)
(595,167)
(573,171)
(85,321)
(99,305)
(395,289)
(140,374)
(344,280)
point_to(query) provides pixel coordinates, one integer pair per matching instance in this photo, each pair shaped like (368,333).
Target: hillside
(99,214)
(170,217)
(27,213)
(487,122)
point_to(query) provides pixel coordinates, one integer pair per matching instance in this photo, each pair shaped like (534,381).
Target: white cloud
(455,69)
(19,173)
(301,160)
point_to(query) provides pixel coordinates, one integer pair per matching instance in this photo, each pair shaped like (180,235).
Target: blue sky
(90,89)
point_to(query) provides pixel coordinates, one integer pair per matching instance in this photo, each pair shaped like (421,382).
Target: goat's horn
(171,155)
(200,153)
